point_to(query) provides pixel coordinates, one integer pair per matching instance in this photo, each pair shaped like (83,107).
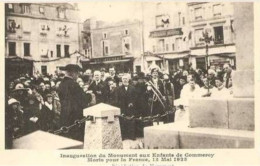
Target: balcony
(218,42)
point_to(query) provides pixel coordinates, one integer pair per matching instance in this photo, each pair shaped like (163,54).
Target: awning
(17,58)
(176,56)
(230,49)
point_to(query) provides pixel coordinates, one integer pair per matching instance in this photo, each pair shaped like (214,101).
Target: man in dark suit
(99,88)
(73,100)
(156,106)
(112,74)
(125,101)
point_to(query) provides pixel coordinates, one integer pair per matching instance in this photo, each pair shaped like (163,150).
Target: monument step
(177,136)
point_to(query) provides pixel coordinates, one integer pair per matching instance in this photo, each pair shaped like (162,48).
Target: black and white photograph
(129,75)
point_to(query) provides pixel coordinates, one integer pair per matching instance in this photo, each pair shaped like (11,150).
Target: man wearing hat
(155,104)
(73,100)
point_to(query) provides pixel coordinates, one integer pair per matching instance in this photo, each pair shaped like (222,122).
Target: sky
(112,11)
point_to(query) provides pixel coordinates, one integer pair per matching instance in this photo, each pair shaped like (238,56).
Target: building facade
(118,45)
(168,39)
(177,35)
(45,35)
(213,21)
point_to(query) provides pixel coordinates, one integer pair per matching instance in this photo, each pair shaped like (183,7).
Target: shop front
(122,64)
(17,66)
(217,56)
(177,60)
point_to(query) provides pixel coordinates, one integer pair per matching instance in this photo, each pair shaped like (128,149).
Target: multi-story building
(214,19)
(40,37)
(167,35)
(118,45)
(176,34)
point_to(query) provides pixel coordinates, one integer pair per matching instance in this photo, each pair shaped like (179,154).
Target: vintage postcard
(130,83)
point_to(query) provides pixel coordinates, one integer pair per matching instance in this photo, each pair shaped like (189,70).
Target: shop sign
(166,33)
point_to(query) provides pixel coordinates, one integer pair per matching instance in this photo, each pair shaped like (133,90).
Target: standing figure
(125,98)
(156,100)
(47,114)
(98,87)
(73,100)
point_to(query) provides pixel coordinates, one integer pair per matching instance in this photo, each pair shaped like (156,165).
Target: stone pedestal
(104,131)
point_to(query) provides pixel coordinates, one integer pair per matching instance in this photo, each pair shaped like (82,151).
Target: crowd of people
(47,102)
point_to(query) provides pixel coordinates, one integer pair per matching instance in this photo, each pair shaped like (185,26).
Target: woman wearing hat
(14,118)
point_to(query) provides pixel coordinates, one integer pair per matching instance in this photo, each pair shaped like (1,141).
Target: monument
(219,122)
(103,132)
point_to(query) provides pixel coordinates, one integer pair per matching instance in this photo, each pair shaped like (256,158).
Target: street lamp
(207,39)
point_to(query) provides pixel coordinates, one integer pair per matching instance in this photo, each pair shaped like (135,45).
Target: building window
(126,45)
(41,10)
(12,26)
(44,70)
(126,32)
(12,48)
(52,54)
(10,7)
(161,45)
(44,27)
(162,21)
(198,36)
(26,9)
(104,35)
(173,48)
(26,47)
(167,47)
(219,37)
(178,43)
(67,50)
(44,50)
(198,13)
(58,50)
(217,10)
(105,48)
(61,13)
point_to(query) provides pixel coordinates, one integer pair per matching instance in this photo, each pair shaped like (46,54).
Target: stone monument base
(179,136)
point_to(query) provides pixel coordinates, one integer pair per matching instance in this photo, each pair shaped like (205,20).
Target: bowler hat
(71,67)
(20,87)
